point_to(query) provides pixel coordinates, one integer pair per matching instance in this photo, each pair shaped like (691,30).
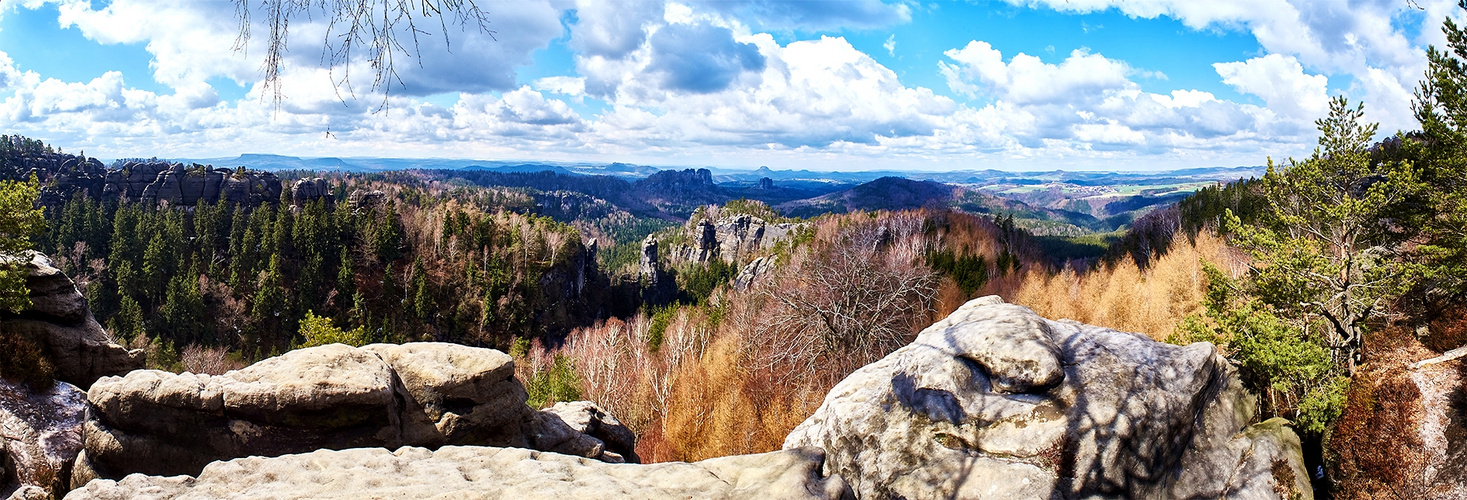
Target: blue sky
(856,84)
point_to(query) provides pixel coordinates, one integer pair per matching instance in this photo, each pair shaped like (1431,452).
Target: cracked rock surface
(997,402)
(472,472)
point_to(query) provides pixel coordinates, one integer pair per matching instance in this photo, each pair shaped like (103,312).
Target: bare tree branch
(376,25)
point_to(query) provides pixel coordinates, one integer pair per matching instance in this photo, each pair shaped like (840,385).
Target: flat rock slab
(465,472)
(41,432)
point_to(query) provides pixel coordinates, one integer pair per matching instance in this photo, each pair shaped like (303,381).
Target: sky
(819,84)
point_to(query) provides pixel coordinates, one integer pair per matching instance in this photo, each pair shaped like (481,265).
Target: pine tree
(346,279)
(128,323)
(19,220)
(422,296)
(1441,156)
(1326,249)
(268,309)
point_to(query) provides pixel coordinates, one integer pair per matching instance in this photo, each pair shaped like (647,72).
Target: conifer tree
(19,220)
(1441,155)
(1326,249)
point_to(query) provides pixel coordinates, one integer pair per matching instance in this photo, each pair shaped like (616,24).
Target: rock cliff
(62,327)
(179,185)
(307,190)
(998,402)
(62,175)
(734,239)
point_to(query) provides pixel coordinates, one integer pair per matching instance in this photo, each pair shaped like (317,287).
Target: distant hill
(886,193)
(896,193)
(520,168)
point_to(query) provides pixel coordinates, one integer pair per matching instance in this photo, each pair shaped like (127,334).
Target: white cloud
(1281,82)
(979,69)
(813,102)
(613,29)
(1369,40)
(192,42)
(564,85)
(1088,104)
(818,15)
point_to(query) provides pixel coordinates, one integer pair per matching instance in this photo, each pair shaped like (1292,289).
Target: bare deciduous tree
(856,298)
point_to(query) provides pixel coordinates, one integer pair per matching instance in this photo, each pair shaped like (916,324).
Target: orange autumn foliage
(1122,296)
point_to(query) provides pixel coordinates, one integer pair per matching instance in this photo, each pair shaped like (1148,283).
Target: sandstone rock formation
(61,175)
(657,286)
(583,429)
(1443,388)
(179,185)
(329,397)
(307,190)
(482,473)
(752,271)
(998,402)
(59,322)
(733,239)
(40,435)
(361,198)
(326,397)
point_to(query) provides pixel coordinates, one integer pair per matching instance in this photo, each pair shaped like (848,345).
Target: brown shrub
(22,359)
(1377,443)
(1449,331)
(208,360)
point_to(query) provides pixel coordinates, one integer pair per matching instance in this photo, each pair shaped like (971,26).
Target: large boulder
(998,402)
(59,323)
(40,435)
(457,394)
(307,190)
(483,473)
(583,429)
(329,397)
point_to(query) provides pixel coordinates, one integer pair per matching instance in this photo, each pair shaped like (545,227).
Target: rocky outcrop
(675,191)
(998,402)
(61,175)
(41,432)
(733,239)
(752,271)
(178,185)
(1443,430)
(583,429)
(483,473)
(330,397)
(366,199)
(333,397)
(657,287)
(648,265)
(60,324)
(308,190)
